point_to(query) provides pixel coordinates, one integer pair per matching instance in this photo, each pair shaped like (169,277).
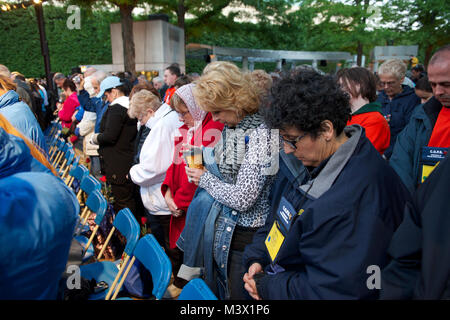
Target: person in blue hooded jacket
(334,224)
(38,213)
(398,101)
(19,114)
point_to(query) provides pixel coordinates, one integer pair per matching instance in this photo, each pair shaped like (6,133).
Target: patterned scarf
(198,114)
(230,150)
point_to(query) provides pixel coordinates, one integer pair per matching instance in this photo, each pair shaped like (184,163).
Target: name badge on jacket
(280,228)
(430,158)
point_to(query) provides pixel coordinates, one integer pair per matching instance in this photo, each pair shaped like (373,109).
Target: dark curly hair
(303,100)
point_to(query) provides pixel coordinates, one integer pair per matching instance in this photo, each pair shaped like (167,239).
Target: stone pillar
(244,63)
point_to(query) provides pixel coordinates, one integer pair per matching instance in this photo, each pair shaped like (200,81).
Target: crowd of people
(267,186)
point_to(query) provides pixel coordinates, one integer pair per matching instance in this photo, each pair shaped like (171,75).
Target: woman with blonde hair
(231,202)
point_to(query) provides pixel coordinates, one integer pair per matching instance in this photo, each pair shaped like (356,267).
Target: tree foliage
(310,25)
(21,51)
(422,22)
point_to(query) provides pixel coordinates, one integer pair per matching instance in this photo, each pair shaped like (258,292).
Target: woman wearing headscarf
(198,130)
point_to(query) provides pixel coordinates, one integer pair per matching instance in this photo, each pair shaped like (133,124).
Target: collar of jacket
(407,90)
(159,114)
(370,107)
(432,108)
(8,98)
(295,167)
(124,101)
(335,164)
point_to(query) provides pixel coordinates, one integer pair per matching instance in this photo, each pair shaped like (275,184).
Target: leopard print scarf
(230,150)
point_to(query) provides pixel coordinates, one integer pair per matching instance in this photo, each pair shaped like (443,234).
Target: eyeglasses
(292,143)
(183,114)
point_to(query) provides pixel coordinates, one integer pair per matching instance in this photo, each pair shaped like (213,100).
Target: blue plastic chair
(196,289)
(88,184)
(60,143)
(79,173)
(69,178)
(53,144)
(63,150)
(152,256)
(95,203)
(107,271)
(68,158)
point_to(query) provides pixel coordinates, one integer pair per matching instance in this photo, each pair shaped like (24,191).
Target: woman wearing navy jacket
(329,229)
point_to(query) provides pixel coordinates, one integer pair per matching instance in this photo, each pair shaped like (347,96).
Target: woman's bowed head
(311,112)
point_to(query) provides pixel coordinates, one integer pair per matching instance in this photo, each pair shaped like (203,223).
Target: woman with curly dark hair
(333,227)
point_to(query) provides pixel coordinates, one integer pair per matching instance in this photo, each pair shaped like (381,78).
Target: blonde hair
(9,128)
(224,87)
(218,66)
(6,83)
(395,67)
(4,71)
(141,102)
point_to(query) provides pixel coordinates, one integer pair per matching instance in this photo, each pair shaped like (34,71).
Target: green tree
(423,22)
(340,25)
(20,48)
(126,18)
(208,14)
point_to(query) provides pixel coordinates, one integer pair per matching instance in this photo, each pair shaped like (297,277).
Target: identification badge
(426,171)
(285,215)
(274,241)
(430,158)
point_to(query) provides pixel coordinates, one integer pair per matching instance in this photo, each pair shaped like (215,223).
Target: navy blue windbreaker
(350,214)
(399,111)
(420,248)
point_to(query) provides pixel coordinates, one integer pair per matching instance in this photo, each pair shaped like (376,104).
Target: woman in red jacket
(361,84)
(70,104)
(198,130)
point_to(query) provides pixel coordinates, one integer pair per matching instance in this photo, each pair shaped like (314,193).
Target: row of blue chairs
(146,249)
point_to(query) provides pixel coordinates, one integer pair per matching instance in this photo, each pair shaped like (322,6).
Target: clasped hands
(249,282)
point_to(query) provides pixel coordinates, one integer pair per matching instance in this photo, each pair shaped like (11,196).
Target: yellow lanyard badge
(426,171)
(274,241)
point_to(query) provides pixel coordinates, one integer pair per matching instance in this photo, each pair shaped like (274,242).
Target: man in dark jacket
(420,247)
(428,133)
(398,101)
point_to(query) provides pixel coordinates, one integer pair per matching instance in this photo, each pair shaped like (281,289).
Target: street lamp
(44,43)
